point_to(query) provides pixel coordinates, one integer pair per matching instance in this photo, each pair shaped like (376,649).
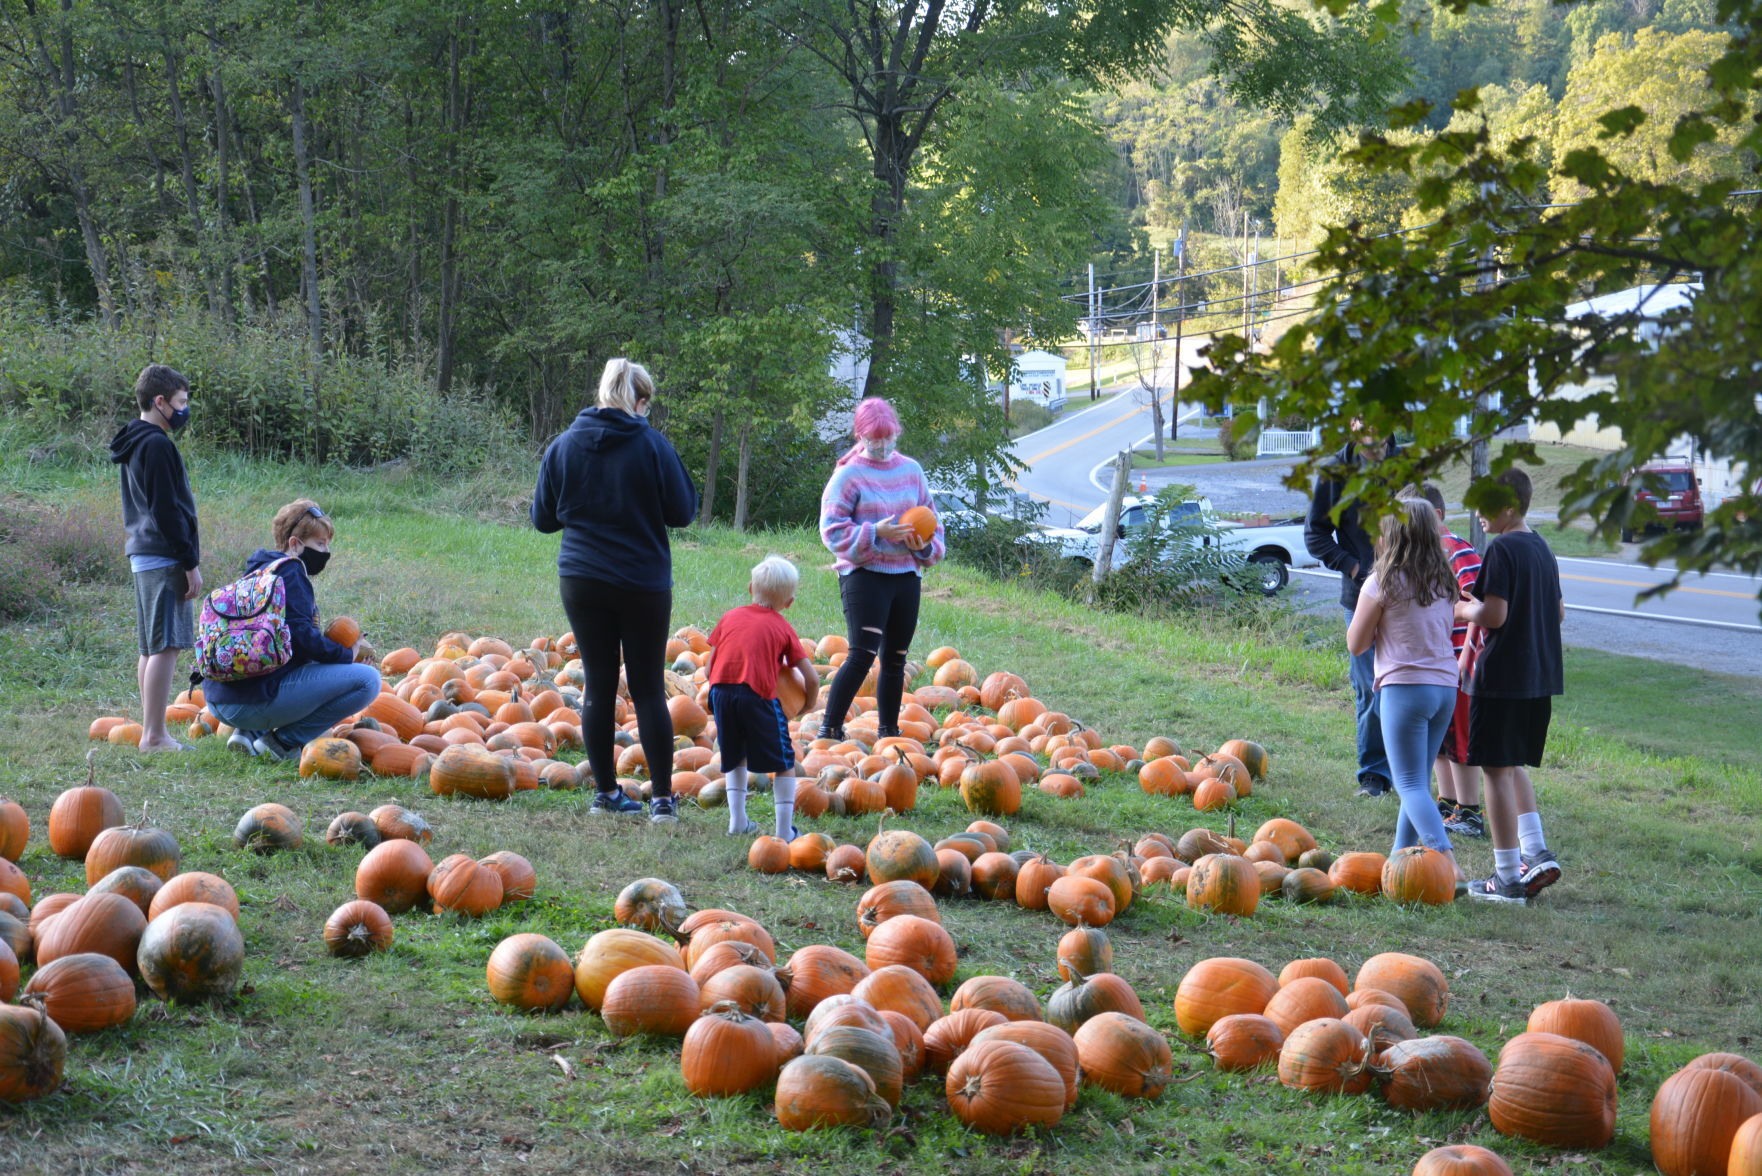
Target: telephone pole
(1180,321)
(1094,333)
(1156,351)
(1479,462)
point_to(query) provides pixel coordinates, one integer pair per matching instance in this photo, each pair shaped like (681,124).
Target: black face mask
(314,560)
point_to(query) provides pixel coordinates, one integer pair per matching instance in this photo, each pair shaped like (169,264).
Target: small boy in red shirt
(750,646)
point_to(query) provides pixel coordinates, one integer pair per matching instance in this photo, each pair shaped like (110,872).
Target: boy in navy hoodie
(164,552)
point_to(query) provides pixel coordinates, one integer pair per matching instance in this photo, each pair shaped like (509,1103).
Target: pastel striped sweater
(864,492)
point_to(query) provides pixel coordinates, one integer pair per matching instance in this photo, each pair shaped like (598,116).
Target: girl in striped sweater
(880,561)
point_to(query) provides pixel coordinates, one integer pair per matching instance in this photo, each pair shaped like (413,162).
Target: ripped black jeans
(880,616)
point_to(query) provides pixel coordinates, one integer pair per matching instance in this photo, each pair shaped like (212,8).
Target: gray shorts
(163,618)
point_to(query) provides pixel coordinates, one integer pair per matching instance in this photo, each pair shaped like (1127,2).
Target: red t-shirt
(752,643)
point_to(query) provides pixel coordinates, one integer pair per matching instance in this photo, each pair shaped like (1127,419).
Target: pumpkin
(994,877)
(192,952)
(816,972)
(33,1051)
(768,855)
(689,719)
(1224,883)
(1218,987)
(873,1053)
(358,928)
(343,631)
(1000,994)
(899,989)
(1252,756)
(1111,872)
(1747,1071)
(1419,874)
(1554,1091)
(1305,998)
(1695,1116)
(1325,1056)
(9,973)
(655,999)
(530,972)
(47,908)
(847,1009)
(956,876)
(821,1091)
(1746,1149)
(860,796)
(1360,997)
(1049,1041)
(194,886)
(948,1036)
(707,935)
(134,883)
(471,770)
(108,924)
(519,879)
(610,953)
(402,759)
(789,1043)
(1084,951)
(80,814)
(132,845)
(15,933)
(1001,1087)
(899,781)
(898,854)
(332,759)
(1121,1053)
(267,828)
(1080,901)
(1316,859)
(1196,843)
(1461,1159)
(889,899)
(1590,1021)
(1418,983)
(1320,966)
(1243,1041)
(1213,794)
(353,828)
(809,851)
(1083,997)
(15,830)
(1361,872)
(1307,884)
(1433,1074)
(393,874)
(460,885)
(727,954)
(1161,777)
(83,993)
(727,1052)
(1291,839)
(845,864)
(396,823)
(917,943)
(1382,1025)
(999,688)
(991,787)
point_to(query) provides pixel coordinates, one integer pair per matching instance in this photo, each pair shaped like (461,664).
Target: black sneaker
(1491,889)
(836,734)
(614,802)
(1466,823)
(661,811)
(1373,787)
(1539,873)
(1446,810)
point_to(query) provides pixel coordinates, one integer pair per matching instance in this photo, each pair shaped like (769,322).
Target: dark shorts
(751,730)
(163,618)
(1506,732)
(1455,748)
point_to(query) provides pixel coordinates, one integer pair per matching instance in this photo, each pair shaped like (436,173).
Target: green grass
(1146,459)
(1556,462)
(402,1064)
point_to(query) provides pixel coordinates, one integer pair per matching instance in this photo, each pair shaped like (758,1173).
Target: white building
(1038,377)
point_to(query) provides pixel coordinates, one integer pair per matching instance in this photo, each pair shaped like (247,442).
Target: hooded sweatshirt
(310,643)
(613,485)
(1346,545)
(158,510)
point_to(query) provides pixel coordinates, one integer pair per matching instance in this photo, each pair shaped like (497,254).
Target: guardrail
(1287,442)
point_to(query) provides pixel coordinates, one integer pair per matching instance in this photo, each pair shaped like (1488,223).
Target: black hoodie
(1343,546)
(158,510)
(613,486)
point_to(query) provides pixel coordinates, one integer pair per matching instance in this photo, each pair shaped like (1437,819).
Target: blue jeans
(308,702)
(1373,761)
(1414,719)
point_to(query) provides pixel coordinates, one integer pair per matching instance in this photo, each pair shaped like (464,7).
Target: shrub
(45,549)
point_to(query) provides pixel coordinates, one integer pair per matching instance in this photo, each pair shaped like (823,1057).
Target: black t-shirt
(1522,656)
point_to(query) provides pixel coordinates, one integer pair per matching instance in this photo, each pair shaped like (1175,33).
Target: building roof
(1658,300)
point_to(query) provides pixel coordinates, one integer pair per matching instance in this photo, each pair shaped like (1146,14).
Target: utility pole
(1094,333)
(1180,321)
(1156,351)
(1479,461)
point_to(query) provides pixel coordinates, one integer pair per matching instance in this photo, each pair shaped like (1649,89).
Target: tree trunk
(309,225)
(707,506)
(192,200)
(1110,523)
(746,452)
(444,359)
(222,159)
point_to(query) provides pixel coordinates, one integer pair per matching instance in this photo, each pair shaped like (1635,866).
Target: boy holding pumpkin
(749,648)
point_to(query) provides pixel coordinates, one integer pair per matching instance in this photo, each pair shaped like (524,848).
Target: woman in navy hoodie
(613,486)
(278,713)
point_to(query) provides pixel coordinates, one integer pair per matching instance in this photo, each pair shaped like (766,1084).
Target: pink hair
(874,419)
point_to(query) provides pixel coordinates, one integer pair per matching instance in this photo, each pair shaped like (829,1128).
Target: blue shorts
(751,730)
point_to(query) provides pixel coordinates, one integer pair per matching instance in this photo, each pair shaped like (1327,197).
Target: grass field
(402,1064)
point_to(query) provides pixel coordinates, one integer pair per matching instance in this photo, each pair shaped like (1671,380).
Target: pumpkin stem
(1232,832)
(672,928)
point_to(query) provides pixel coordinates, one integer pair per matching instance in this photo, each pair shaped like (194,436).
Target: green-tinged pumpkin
(192,952)
(268,828)
(820,1091)
(1224,883)
(1085,997)
(1433,1074)
(33,1051)
(531,972)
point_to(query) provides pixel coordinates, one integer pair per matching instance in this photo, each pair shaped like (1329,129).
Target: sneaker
(746,830)
(661,811)
(1491,889)
(836,734)
(241,742)
(267,744)
(1373,787)
(1446,810)
(1466,824)
(1539,873)
(793,834)
(614,802)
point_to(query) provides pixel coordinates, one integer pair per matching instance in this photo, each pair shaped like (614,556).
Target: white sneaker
(239,741)
(267,744)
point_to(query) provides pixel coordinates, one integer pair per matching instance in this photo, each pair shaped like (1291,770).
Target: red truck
(1673,491)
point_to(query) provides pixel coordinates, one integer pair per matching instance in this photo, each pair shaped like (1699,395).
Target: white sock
(1508,864)
(735,778)
(1529,833)
(783,799)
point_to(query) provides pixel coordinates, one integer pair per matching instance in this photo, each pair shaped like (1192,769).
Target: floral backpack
(243,631)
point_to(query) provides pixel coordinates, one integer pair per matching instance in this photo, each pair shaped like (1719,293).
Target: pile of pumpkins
(867,1027)
(140,918)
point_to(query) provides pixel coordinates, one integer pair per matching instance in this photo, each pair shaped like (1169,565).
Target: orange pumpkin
(1218,987)
(1590,1021)
(1554,1091)
(1224,883)
(1419,874)
(530,972)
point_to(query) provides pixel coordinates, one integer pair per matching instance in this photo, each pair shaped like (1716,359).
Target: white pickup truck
(1270,551)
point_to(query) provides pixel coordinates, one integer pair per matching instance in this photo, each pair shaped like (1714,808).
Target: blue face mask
(177,418)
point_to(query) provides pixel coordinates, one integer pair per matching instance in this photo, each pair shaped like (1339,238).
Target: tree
(1470,316)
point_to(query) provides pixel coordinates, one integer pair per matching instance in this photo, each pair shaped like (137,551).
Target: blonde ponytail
(625,385)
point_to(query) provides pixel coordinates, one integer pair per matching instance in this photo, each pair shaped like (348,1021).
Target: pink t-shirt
(1413,641)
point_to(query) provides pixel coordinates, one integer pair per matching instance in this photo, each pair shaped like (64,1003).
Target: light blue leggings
(1414,720)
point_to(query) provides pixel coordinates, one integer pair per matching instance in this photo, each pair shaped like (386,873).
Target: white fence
(1287,442)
